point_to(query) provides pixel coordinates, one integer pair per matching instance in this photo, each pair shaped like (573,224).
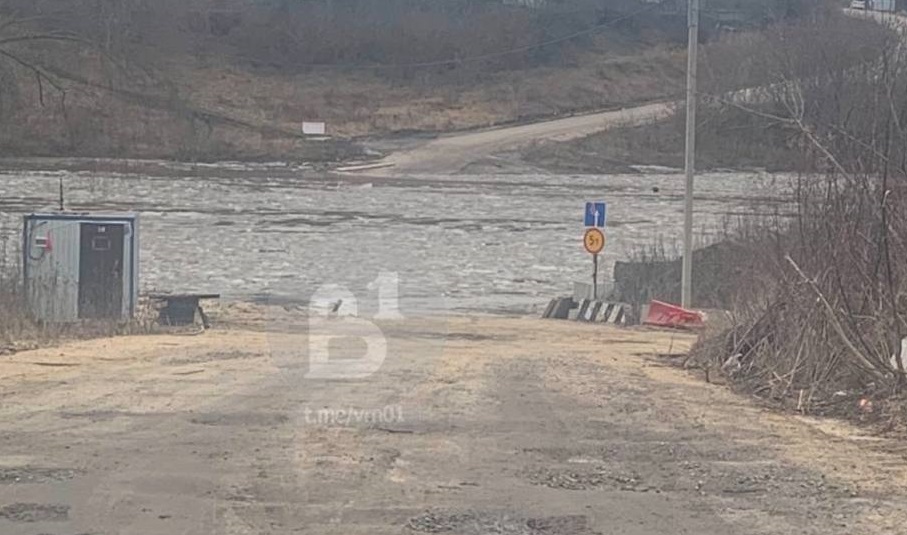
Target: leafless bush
(821,310)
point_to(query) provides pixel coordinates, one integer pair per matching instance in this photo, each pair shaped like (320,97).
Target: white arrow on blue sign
(596,214)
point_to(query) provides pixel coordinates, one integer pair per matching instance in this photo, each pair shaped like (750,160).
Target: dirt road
(449,154)
(472,426)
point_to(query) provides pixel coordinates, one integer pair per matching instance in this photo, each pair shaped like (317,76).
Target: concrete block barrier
(589,311)
(559,308)
(616,313)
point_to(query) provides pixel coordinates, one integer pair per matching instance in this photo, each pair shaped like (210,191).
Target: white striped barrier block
(589,311)
(602,312)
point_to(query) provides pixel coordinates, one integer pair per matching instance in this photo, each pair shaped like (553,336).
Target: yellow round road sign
(594,240)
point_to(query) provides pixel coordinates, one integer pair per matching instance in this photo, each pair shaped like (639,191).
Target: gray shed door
(101,271)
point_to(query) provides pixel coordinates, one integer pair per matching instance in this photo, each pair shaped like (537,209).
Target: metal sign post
(594,276)
(686,283)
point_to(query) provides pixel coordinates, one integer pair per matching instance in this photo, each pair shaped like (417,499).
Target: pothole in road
(106,415)
(12,476)
(469,523)
(588,480)
(34,512)
(216,356)
(240,419)
(449,336)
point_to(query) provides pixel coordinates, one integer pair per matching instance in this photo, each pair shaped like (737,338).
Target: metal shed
(81,266)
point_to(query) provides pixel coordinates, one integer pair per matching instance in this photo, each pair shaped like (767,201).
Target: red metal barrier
(668,315)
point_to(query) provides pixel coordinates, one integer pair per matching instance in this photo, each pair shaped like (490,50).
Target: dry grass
(353,103)
(366,103)
(14,325)
(19,331)
(821,313)
(729,138)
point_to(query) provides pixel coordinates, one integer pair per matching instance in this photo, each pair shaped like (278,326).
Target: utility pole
(690,161)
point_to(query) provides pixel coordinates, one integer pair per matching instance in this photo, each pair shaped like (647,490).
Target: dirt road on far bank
(449,154)
(477,425)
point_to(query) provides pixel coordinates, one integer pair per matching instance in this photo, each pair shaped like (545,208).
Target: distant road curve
(451,153)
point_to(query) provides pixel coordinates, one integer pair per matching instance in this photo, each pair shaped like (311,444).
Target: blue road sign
(596,214)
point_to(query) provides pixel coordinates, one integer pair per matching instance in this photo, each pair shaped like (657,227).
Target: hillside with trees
(207,79)
(731,135)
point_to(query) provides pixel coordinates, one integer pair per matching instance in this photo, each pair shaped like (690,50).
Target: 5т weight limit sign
(594,241)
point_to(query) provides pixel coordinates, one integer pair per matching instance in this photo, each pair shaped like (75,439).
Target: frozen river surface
(461,243)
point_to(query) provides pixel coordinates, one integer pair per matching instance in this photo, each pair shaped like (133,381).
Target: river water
(504,243)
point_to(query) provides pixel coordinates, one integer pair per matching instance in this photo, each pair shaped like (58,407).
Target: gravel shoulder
(477,425)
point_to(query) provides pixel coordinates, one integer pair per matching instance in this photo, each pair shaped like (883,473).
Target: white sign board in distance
(314,129)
